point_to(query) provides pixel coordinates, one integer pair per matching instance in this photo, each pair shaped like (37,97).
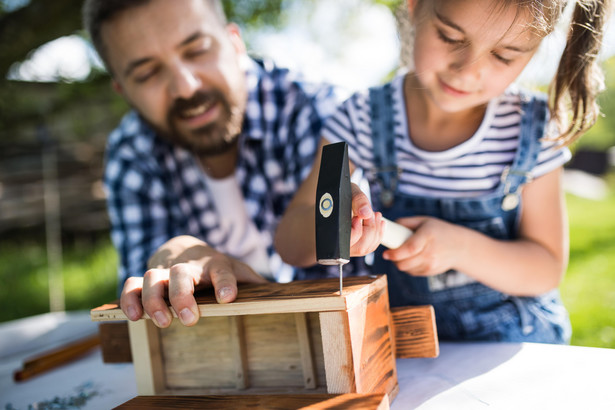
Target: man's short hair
(97,12)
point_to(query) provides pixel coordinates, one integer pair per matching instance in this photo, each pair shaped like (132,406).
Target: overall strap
(385,172)
(534,116)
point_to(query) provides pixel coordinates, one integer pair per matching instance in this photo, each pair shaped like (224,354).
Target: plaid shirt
(156,190)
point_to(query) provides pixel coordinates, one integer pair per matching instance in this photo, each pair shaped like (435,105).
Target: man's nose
(184,81)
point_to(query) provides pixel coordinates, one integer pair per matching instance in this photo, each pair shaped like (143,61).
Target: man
(209,158)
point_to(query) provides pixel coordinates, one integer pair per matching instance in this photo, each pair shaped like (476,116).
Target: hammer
(334,211)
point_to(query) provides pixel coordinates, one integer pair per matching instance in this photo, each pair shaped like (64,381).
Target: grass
(588,290)
(89,271)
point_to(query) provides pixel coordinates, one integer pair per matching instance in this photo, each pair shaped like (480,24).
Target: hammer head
(333,206)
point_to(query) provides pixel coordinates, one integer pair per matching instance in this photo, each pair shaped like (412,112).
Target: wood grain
(277,402)
(147,357)
(415,332)
(371,336)
(204,357)
(55,358)
(319,295)
(114,343)
(305,350)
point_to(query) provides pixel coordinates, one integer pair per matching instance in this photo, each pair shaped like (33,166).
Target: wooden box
(299,337)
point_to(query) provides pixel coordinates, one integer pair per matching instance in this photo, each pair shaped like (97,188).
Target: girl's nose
(468,63)
(184,81)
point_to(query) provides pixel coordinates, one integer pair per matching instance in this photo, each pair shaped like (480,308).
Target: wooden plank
(278,402)
(321,295)
(200,356)
(274,358)
(272,355)
(147,357)
(305,349)
(337,350)
(114,342)
(371,336)
(53,358)
(415,332)
(238,351)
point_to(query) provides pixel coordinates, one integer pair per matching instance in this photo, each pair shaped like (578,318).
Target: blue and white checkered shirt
(157,191)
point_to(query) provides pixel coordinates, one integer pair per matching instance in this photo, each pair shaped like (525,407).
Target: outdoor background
(56,109)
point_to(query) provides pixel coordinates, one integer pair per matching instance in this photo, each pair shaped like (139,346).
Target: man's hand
(178,268)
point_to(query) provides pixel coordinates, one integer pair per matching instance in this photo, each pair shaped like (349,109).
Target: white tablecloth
(465,376)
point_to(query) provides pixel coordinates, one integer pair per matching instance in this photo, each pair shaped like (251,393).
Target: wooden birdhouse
(300,337)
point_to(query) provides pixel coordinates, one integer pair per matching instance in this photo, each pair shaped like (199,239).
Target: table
(465,376)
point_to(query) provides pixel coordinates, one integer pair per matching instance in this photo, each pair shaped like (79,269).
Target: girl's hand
(434,248)
(367,225)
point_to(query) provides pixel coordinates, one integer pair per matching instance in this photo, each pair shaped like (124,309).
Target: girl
(471,165)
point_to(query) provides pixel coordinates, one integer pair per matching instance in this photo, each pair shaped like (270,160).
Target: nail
(365,211)
(224,293)
(132,313)
(186,316)
(161,319)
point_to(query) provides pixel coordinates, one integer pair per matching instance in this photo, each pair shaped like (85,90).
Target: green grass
(89,272)
(588,290)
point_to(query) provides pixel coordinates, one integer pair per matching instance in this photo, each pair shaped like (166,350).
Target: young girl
(471,165)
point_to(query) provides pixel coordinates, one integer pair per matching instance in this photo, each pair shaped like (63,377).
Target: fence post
(52,219)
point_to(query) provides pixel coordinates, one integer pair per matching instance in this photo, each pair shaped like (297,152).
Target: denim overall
(466,309)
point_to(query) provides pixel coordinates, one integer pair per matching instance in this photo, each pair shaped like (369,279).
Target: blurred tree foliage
(602,135)
(25,25)
(28,24)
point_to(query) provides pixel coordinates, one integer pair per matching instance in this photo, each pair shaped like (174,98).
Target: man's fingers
(222,278)
(245,274)
(182,278)
(130,300)
(154,286)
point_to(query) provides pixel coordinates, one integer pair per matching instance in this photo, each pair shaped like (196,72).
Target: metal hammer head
(333,206)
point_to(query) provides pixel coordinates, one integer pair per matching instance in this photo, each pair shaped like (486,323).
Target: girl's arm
(295,238)
(531,265)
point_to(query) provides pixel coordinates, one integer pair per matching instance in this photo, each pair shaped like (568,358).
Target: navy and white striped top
(470,169)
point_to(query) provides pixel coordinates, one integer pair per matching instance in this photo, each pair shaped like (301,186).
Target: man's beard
(214,138)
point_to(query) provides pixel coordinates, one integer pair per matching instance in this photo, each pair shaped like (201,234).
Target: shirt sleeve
(137,213)
(351,123)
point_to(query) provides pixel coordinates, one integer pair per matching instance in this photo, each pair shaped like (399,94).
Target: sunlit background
(49,261)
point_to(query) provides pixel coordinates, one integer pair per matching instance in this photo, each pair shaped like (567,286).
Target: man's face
(179,67)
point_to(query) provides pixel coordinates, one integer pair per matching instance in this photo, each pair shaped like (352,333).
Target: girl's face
(467,52)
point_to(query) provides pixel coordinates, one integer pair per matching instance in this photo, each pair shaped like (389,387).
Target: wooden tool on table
(56,357)
(334,211)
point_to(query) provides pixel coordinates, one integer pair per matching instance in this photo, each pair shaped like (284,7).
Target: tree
(26,28)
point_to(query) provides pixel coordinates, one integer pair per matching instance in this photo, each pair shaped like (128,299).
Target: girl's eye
(501,59)
(447,39)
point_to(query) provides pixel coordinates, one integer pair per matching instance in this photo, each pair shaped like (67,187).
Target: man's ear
(117,87)
(234,33)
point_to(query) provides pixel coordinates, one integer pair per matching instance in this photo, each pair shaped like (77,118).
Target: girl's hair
(579,78)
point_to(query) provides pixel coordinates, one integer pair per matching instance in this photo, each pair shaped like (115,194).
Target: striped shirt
(470,169)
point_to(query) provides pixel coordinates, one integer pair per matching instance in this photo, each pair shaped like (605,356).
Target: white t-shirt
(244,242)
